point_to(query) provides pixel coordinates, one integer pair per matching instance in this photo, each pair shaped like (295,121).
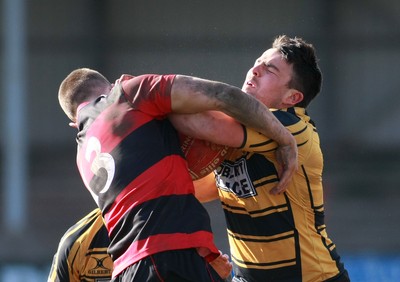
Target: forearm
(206,189)
(252,113)
(213,126)
(194,95)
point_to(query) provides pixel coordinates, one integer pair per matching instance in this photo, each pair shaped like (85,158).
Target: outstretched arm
(194,95)
(213,126)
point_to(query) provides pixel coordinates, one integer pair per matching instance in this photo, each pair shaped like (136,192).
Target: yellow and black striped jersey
(277,237)
(82,252)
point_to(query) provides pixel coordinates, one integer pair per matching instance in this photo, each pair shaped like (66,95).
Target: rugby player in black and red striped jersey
(130,160)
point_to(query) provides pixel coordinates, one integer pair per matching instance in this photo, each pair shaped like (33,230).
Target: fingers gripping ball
(202,156)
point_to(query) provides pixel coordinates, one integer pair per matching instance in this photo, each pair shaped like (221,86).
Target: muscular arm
(212,126)
(206,189)
(194,95)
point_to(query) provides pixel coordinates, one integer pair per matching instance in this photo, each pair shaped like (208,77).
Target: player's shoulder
(288,116)
(81,228)
(145,79)
(147,85)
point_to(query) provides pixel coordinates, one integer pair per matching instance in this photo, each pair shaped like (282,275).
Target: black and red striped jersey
(130,160)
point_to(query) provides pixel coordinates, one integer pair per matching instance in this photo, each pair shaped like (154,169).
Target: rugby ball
(203,157)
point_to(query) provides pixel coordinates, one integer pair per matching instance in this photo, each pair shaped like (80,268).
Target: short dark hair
(307,76)
(79,86)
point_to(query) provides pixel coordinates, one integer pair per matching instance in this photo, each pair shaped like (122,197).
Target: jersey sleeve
(149,93)
(302,131)
(70,259)
(256,142)
(61,265)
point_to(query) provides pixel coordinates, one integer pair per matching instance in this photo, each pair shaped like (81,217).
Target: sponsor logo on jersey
(234,178)
(100,269)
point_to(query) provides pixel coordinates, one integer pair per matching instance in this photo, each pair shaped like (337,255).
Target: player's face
(267,80)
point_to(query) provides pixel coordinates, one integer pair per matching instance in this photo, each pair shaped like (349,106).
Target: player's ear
(294,97)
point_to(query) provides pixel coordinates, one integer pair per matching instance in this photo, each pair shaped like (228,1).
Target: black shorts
(171,266)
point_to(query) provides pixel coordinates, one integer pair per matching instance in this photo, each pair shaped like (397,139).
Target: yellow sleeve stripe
(271,238)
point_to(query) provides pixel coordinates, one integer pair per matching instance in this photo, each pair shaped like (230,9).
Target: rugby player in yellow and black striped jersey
(82,252)
(277,236)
